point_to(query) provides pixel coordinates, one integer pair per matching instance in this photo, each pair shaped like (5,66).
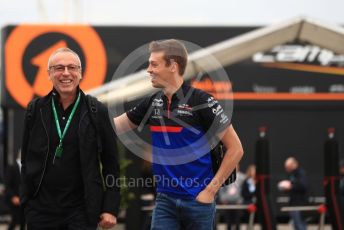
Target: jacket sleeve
(299,182)
(23,189)
(109,161)
(9,182)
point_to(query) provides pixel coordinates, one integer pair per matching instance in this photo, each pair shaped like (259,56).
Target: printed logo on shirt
(211,102)
(157,102)
(218,110)
(224,118)
(157,114)
(184,110)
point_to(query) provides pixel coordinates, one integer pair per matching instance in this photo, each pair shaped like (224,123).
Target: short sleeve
(137,113)
(213,116)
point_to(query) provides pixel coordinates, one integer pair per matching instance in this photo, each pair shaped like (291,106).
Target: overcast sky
(168,12)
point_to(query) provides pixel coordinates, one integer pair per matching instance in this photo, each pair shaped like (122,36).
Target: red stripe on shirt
(168,129)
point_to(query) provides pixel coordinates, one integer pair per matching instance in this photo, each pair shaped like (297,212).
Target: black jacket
(12,181)
(299,192)
(96,168)
(247,195)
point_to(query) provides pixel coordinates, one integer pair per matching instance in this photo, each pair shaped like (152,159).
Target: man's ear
(49,75)
(174,67)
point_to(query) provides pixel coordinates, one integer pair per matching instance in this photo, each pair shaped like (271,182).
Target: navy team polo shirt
(181,130)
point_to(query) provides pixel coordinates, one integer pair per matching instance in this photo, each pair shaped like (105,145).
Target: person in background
(248,190)
(231,194)
(341,186)
(297,187)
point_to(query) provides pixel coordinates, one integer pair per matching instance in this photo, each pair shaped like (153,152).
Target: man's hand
(15,200)
(107,220)
(205,196)
(285,185)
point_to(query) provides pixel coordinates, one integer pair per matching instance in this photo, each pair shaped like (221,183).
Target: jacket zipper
(46,157)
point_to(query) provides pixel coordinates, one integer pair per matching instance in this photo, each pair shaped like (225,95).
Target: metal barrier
(321,209)
(251,208)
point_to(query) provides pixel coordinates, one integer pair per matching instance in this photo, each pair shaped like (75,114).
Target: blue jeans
(298,222)
(174,213)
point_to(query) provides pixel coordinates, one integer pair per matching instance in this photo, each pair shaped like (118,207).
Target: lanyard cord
(59,149)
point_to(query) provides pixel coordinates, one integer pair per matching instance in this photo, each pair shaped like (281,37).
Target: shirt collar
(181,92)
(56,95)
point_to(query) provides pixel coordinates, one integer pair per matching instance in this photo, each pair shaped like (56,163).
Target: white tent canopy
(231,51)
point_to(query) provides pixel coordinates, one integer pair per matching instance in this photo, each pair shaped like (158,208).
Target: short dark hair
(173,50)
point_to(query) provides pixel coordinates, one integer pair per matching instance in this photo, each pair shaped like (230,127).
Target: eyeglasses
(61,68)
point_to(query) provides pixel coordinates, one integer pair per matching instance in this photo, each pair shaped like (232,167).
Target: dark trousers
(17,218)
(69,220)
(233,219)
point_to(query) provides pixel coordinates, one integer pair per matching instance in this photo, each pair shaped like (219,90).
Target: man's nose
(149,69)
(66,70)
